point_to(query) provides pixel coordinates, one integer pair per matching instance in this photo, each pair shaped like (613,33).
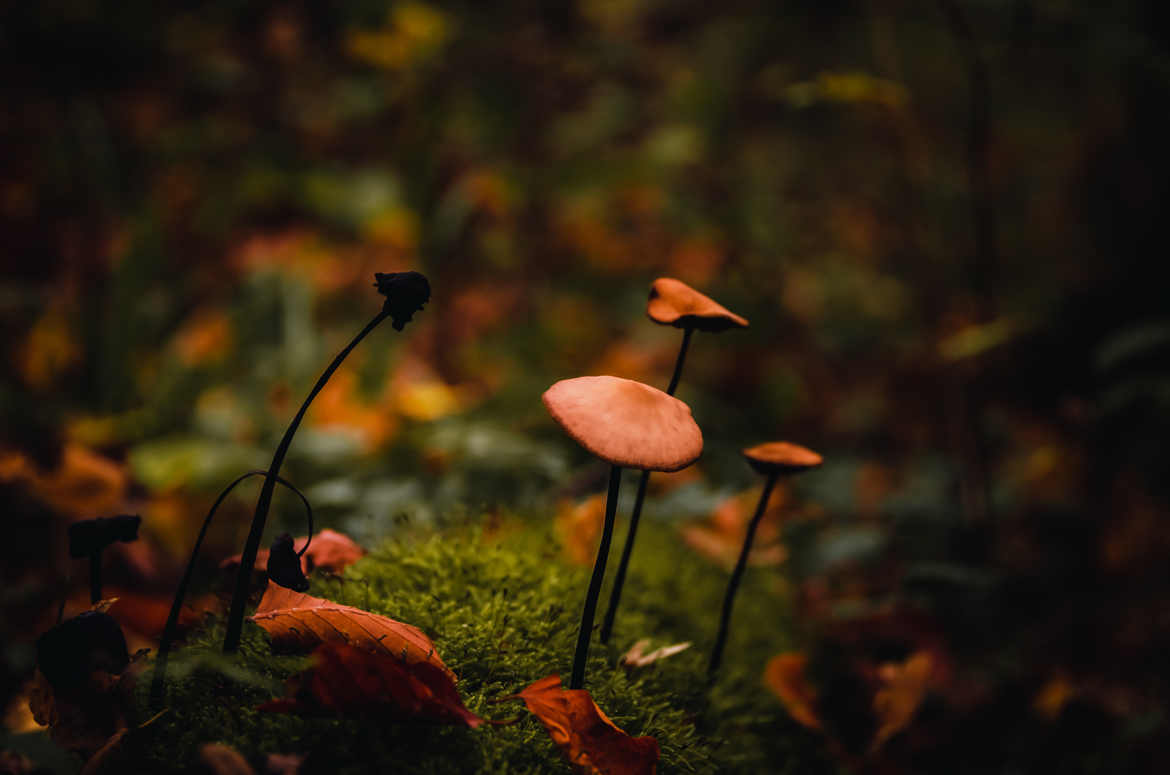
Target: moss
(502,609)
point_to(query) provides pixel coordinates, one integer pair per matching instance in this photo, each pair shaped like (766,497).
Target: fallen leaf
(329,551)
(222,759)
(721,536)
(637,656)
(348,680)
(895,704)
(784,675)
(298,621)
(586,736)
(146,614)
(578,528)
(282,764)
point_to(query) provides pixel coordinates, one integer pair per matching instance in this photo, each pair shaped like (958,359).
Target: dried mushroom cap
(781,457)
(674,303)
(94,535)
(626,423)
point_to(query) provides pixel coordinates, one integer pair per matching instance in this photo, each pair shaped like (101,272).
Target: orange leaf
(784,675)
(590,741)
(896,703)
(350,680)
(147,614)
(297,621)
(329,551)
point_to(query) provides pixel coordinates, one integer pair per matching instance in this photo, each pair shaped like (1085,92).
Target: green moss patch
(503,609)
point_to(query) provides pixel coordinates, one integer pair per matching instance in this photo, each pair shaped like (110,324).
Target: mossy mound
(503,609)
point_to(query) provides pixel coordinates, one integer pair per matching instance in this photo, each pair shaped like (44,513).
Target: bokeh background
(940,217)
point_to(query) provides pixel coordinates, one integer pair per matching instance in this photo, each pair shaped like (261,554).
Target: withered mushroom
(627,424)
(773,459)
(406,293)
(671,303)
(90,537)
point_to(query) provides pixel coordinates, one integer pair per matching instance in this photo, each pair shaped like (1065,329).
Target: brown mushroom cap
(674,303)
(781,457)
(626,423)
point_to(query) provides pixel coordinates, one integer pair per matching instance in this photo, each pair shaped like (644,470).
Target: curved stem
(582,653)
(736,575)
(235,623)
(679,361)
(168,634)
(615,594)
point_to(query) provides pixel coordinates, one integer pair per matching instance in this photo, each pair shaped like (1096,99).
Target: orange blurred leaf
(895,704)
(348,680)
(298,621)
(586,736)
(578,527)
(784,675)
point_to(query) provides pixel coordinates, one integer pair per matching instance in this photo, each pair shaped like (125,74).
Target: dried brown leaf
(348,680)
(300,622)
(589,740)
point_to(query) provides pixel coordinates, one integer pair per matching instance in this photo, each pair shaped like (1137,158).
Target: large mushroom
(773,459)
(628,425)
(671,303)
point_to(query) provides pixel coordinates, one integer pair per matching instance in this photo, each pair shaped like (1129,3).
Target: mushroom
(671,303)
(90,537)
(406,293)
(627,424)
(773,459)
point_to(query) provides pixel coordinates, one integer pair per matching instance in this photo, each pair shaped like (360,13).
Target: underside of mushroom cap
(674,303)
(626,423)
(781,457)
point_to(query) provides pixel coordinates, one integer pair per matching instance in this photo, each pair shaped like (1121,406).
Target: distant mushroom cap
(674,303)
(781,457)
(94,535)
(626,423)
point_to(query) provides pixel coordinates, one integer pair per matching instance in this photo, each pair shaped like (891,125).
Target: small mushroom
(671,303)
(773,459)
(284,565)
(627,424)
(90,537)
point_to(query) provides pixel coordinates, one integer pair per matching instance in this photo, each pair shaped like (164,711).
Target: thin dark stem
(615,594)
(680,360)
(578,678)
(169,630)
(95,577)
(235,623)
(736,575)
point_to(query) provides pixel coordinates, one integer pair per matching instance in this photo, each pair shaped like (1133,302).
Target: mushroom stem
(737,574)
(680,360)
(578,677)
(95,576)
(615,594)
(168,635)
(235,623)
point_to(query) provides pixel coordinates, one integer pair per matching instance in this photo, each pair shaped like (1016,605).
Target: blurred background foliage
(940,218)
